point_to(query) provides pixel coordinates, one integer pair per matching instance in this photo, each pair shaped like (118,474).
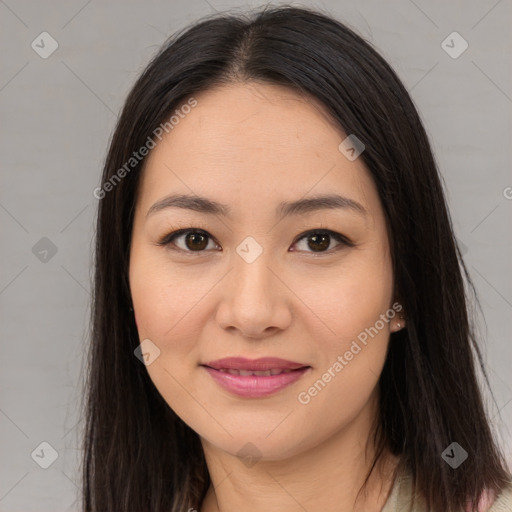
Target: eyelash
(169,238)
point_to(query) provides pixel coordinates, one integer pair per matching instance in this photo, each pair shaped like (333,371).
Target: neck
(327,477)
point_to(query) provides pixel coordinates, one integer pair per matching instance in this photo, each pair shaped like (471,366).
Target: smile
(260,373)
(255,378)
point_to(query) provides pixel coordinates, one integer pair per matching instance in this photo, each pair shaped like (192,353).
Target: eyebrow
(284,209)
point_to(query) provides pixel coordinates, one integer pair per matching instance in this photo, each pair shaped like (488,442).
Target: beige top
(401,496)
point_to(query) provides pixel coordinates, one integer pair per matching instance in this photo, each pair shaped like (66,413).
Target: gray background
(57,116)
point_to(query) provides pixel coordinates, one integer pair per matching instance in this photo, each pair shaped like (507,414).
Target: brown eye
(191,240)
(196,241)
(320,241)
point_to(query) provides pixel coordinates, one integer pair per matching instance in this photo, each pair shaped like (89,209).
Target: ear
(398,321)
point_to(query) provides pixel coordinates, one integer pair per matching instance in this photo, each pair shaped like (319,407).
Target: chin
(258,445)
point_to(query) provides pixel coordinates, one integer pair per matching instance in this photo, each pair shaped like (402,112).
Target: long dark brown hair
(138,454)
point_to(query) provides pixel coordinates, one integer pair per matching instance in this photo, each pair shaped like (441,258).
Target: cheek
(351,307)
(354,299)
(169,310)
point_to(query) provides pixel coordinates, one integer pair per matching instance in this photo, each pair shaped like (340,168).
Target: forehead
(247,143)
(265,120)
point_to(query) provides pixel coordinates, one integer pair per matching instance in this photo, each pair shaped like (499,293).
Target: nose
(255,302)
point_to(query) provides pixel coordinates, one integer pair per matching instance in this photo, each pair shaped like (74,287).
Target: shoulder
(401,496)
(503,502)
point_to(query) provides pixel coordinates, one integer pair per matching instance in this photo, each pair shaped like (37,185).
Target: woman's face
(253,283)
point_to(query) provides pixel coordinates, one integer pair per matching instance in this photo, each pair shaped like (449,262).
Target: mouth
(259,373)
(262,364)
(254,378)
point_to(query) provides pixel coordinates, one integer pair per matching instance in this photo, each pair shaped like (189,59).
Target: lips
(260,373)
(262,364)
(255,378)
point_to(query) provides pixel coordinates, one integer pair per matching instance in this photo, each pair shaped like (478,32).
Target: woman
(279,317)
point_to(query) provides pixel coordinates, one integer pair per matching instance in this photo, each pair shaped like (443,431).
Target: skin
(251,146)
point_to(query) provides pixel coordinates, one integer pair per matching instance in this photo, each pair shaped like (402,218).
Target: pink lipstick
(257,377)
